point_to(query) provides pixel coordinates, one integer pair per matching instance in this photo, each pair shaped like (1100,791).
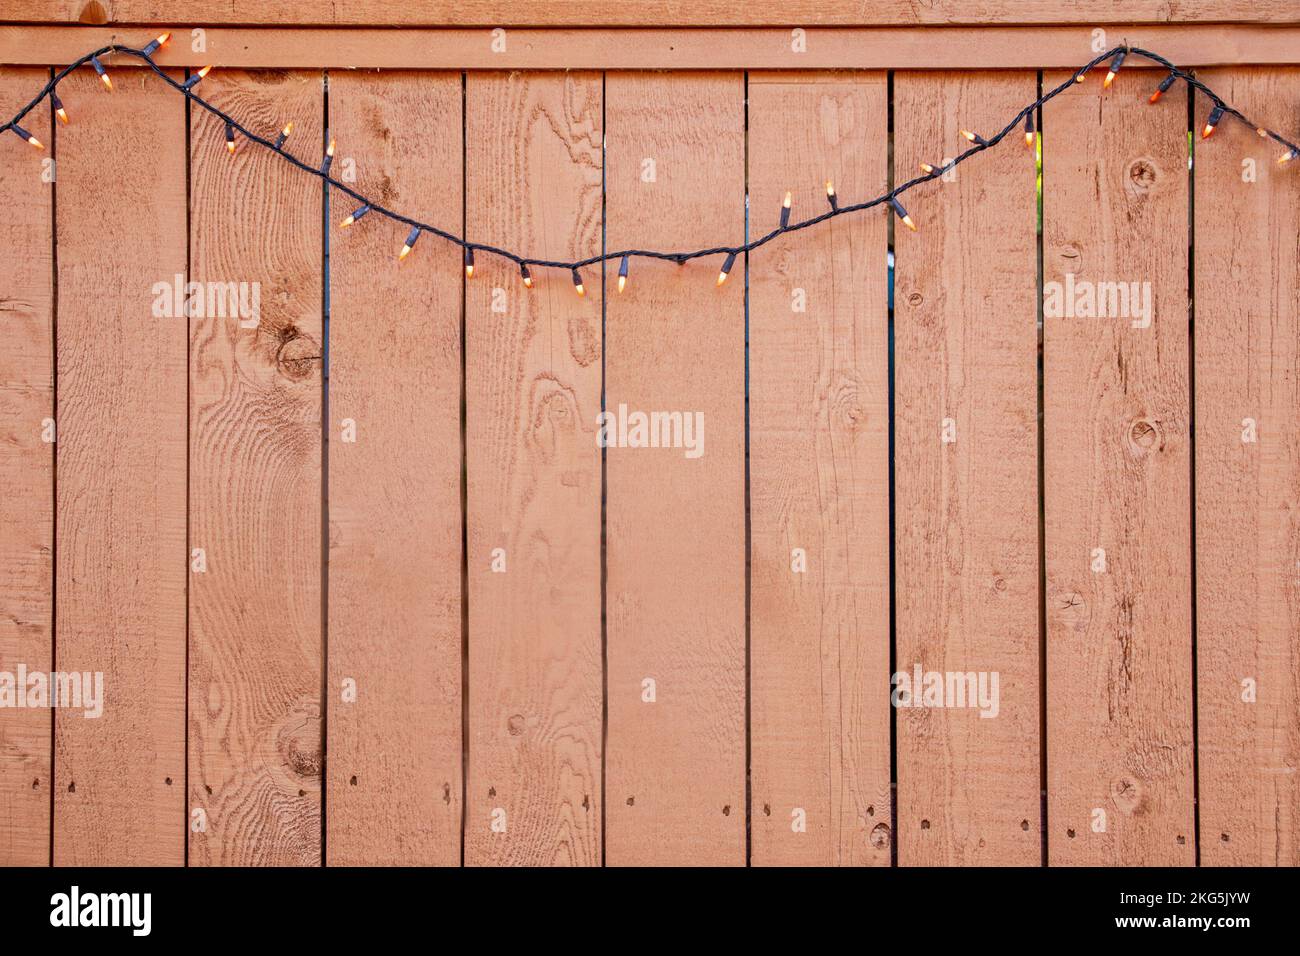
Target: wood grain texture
(26,472)
(751,48)
(966,510)
(819,477)
(490,13)
(533,391)
(675,526)
(1247,353)
(255,482)
(119,779)
(394,770)
(1116,477)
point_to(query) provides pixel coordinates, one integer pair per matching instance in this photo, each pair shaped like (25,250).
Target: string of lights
(1116,56)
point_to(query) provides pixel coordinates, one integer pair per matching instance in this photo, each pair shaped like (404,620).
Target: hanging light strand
(1022,123)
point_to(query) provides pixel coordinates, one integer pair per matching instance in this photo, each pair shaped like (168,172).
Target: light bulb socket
(411,238)
(726,267)
(1116,62)
(152,46)
(356,214)
(1212,120)
(901,213)
(1164,86)
(28,137)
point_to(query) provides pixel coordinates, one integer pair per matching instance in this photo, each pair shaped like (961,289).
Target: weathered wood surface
(1247,355)
(1117,468)
(393,695)
(533,393)
(675,525)
(120,512)
(256,747)
(819,478)
(966,478)
(26,472)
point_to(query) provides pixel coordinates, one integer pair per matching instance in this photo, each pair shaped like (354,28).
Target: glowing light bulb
(193,81)
(726,267)
(103,73)
(155,43)
(26,135)
(1113,72)
(356,214)
(1212,121)
(1163,88)
(409,244)
(902,214)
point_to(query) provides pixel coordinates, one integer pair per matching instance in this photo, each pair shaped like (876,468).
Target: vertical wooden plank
(533,379)
(1116,476)
(819,476)
(255,474)
(119,791)
(394,777)
(26,469)
(675,525)
(1247,346)
(966,475)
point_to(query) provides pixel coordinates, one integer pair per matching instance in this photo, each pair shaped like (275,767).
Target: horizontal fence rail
(646,48)
(969,545)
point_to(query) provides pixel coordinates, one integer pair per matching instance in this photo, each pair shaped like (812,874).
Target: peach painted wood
(675,525)
(120,514)
(819,477)
(26,468)
(255,738)
(1247,352)
(1117,471)
(752,48)
(683,13)
(394,690)
(533,390)
(966,477)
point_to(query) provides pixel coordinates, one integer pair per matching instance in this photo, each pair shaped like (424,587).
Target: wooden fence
(364,587)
